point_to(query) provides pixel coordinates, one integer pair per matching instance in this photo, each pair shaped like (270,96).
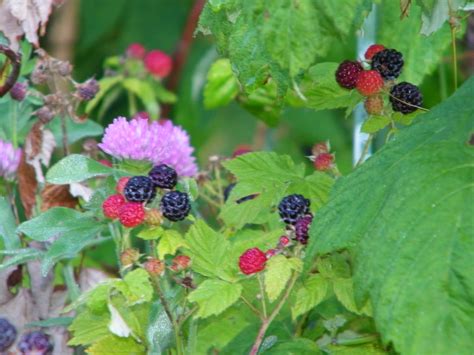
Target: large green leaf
(75,168)
(8,225)
(214,297)
(277,274)
(406,217)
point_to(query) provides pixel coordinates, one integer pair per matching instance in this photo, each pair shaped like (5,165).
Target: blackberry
(139,189)
(163,176)
(403,96)
(388,62)
(87,90)
(293,207)
(347,73)
(7,334)
(302,227)
(175,205)
(36,342)
(18,91)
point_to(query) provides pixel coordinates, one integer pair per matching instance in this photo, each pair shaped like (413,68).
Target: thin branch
(252,307)
(262,294)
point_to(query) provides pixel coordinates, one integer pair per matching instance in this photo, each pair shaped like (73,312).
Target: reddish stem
(181,53)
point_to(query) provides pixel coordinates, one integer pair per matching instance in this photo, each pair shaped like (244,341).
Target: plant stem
(262,295)
(14,116)
(455,59)
(64,131)
(267,321)
(366,149)
(219,185)
(132,103)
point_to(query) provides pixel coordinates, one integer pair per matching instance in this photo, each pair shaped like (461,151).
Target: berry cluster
(35,342)
(135,192)
(294,211)
(158,63)
(382,67)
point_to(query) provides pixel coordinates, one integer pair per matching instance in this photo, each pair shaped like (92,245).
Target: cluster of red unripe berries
(385,66)
(158,63)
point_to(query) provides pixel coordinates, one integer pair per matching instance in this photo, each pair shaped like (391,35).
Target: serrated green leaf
(160,329)
(214,296)
(344,291)
(208,251)
(264,103)
(75,168)
(334,266)
(277,273)
(170,242)
(405,119)
(8,226)
(139,286)
(151,233)
(309,295)
(88,328)
(221,86)
(19,256)
(321,90)
(406,217)
(106,345)
(374,124)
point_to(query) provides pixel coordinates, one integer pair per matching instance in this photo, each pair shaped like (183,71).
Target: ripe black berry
(35,343)
(347,74)
(388,63)
(404,98)
(302,227)
(139,189)
(175,205)
(293,207)
(7,334)
(163,176)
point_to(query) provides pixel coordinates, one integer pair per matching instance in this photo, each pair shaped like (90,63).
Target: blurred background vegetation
(88,31)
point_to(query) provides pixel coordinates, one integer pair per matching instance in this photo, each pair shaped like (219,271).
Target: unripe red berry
(373,50)
(270,252)
(180,262)
(374,105)
(153,217)
(241,150)
(158,63)
(155,267)
(323,161)
(136,51)
(369,82)
(141,115)
(131,214)
(121,184)
(252,261)
(284,240)
(112,205)
(321,147)
(129,256)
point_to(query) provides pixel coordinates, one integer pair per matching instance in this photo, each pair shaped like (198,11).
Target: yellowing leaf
(278,272)
(170,242)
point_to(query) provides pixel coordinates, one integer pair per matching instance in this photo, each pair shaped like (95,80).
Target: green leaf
(160,329)
(152,233)
(208,251)
(221,86)
(436,12)
(214,296)
(170,242)
(145,93)
(344,290)
(297,346)
(163,95)
(309,295)
(75,131)
(19,256)
(322,92)
(88,328)
(405,119)
(374,124)
(75,168)
(365,349)
(139,288)
(264,103)
(422,54)
(406,217)
(277,273)
(105,84)
(52,322)
(8,226)
(126,345)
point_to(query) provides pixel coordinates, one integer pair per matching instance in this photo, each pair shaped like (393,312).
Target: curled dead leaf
(56,196)
(39,146)
(27,185)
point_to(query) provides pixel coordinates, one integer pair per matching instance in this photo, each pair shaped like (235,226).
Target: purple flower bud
(18,91)
(9,159)
(87,90)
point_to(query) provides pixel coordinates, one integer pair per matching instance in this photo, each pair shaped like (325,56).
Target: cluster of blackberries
(35,342)
(294,211)
(385,66)
(134,192)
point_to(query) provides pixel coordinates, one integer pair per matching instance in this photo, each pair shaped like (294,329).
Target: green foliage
(309,295)
(126,345)
(297,346)
(19,256)
(8,225)
(278,272)
(170,242)
(75,131)
(375,123)
(271,176)
(215,296)
(435,13)
(410,236)
(75,168)
(221,86)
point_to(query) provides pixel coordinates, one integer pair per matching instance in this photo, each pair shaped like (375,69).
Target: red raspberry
(142,114)
(121,184)
(270,252)
(284,240)
(241,150)
(323,161)
(136,51)
(180,262)
(158,63)
(369,82)
(321,147)
(373,50)
(374,105)
(131,214)
(112,205)
(106,163)
(347,74)
(252,261)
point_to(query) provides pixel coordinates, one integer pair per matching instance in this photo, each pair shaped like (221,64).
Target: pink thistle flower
(159,143)
(9,159)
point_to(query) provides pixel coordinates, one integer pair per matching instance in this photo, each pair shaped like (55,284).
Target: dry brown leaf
(27,185)
(56,196)
(39,146)
(404,8)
